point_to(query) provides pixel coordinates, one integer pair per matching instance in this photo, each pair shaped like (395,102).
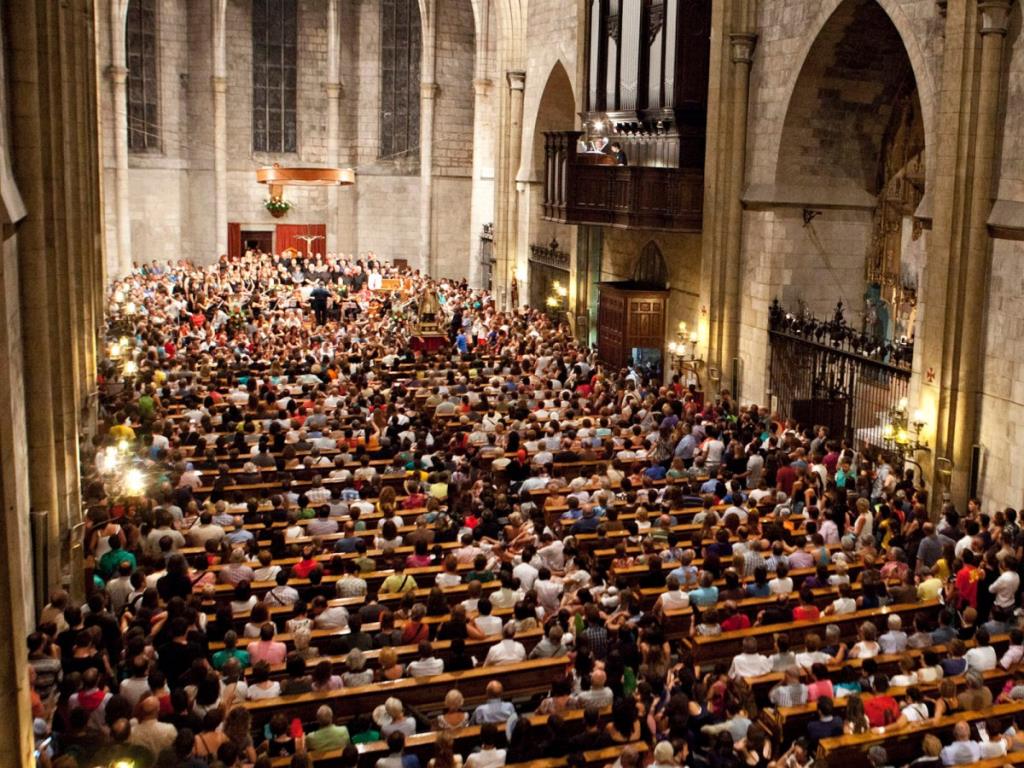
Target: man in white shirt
(328,617)
(508,651)
(551,553)
(982,657)
(750,663)
(489,625)
(1005,586)
(427,664)
(549,592)
(525,571)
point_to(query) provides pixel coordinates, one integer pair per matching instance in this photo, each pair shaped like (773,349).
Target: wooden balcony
(591,189)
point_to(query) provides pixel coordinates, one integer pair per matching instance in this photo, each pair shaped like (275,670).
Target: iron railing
(829,373)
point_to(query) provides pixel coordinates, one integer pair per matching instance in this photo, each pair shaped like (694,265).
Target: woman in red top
(881,709)
(807,610)
(414,629)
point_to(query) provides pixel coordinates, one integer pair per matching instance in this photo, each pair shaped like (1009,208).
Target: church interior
(441,383)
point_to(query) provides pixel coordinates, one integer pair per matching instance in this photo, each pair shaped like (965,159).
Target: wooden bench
(789,722)
(903,745)
(519,680)
(723,647)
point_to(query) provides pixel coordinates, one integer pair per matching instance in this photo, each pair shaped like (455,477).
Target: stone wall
(171,190)
(1002,400)
(813,141)
(682,254)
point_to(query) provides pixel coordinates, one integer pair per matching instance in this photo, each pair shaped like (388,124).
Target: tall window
(274,59)
(400,78)
(140,53)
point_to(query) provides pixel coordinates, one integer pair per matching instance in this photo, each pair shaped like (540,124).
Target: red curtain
(234,240)
(288,236)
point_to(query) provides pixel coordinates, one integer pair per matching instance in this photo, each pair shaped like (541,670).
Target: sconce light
(902,431)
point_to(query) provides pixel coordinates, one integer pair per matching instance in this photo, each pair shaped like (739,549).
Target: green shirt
(220,658)
(366,737)
(328,737)
(111,561)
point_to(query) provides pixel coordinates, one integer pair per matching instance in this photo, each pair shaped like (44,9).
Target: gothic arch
(832,19)
(556,111)
(650,268)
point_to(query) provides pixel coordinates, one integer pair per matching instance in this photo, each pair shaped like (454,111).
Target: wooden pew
(789,722)
(902,746)
(722,648)
(519,680)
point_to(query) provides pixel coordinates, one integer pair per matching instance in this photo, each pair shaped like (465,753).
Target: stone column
(428,99)
(118,72)
(428,94)
(219,85)
(478,216)
(742,44)
(949,362)
(517,85)
(333,90)
(976,266)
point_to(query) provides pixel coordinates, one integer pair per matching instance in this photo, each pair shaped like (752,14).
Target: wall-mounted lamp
(902,430)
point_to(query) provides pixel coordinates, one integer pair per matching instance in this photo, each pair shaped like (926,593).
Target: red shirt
(967,579)
(784,479)
(301,569)
(737,621)
(806,613)
(881,710)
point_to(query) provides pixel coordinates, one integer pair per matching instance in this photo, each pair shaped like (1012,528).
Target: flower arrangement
(277,206)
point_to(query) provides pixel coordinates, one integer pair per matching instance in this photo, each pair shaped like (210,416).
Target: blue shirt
(703,596)
(686,447)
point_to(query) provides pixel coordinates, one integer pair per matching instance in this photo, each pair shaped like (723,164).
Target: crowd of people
(290,494)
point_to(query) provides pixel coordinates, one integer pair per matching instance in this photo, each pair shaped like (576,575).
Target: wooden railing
(591,189)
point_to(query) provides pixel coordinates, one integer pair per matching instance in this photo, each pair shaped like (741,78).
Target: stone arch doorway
(555,112)
(852,155)
(852,151)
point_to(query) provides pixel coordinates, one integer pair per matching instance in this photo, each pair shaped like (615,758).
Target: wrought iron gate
(828,373)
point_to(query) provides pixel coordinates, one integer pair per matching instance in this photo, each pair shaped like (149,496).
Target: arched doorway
(547,265)
(852,148)
(853,140)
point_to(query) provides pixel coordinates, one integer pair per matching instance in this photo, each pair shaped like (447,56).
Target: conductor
(318,301)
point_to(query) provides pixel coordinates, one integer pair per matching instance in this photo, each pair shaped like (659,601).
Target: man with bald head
(964,750)
(495,709)
(598,695)
(148,731)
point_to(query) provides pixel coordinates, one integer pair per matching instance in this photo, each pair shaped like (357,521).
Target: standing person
(318,301)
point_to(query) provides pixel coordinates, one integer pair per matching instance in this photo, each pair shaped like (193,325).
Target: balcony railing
(591,189)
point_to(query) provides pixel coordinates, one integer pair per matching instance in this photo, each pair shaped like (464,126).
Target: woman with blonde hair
(390,667)
(453,715)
